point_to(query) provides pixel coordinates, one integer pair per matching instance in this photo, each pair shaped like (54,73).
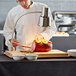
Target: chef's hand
(14,42)
(39,37)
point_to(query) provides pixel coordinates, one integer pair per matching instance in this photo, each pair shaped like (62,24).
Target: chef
(27,27)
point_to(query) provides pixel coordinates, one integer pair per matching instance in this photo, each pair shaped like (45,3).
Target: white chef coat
(27,26)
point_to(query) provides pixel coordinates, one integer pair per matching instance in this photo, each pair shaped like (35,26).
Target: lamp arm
(16,24)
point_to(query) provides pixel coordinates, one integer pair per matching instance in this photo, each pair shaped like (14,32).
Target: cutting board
(52,53)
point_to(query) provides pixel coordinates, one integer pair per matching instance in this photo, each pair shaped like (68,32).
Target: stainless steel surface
(65,21)
(65,29)
(71,29)
(45,19)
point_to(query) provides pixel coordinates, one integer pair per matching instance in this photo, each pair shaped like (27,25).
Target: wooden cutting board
(52,53)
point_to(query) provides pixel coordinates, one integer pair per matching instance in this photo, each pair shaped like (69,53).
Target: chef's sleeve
(50,30)
(8,29)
